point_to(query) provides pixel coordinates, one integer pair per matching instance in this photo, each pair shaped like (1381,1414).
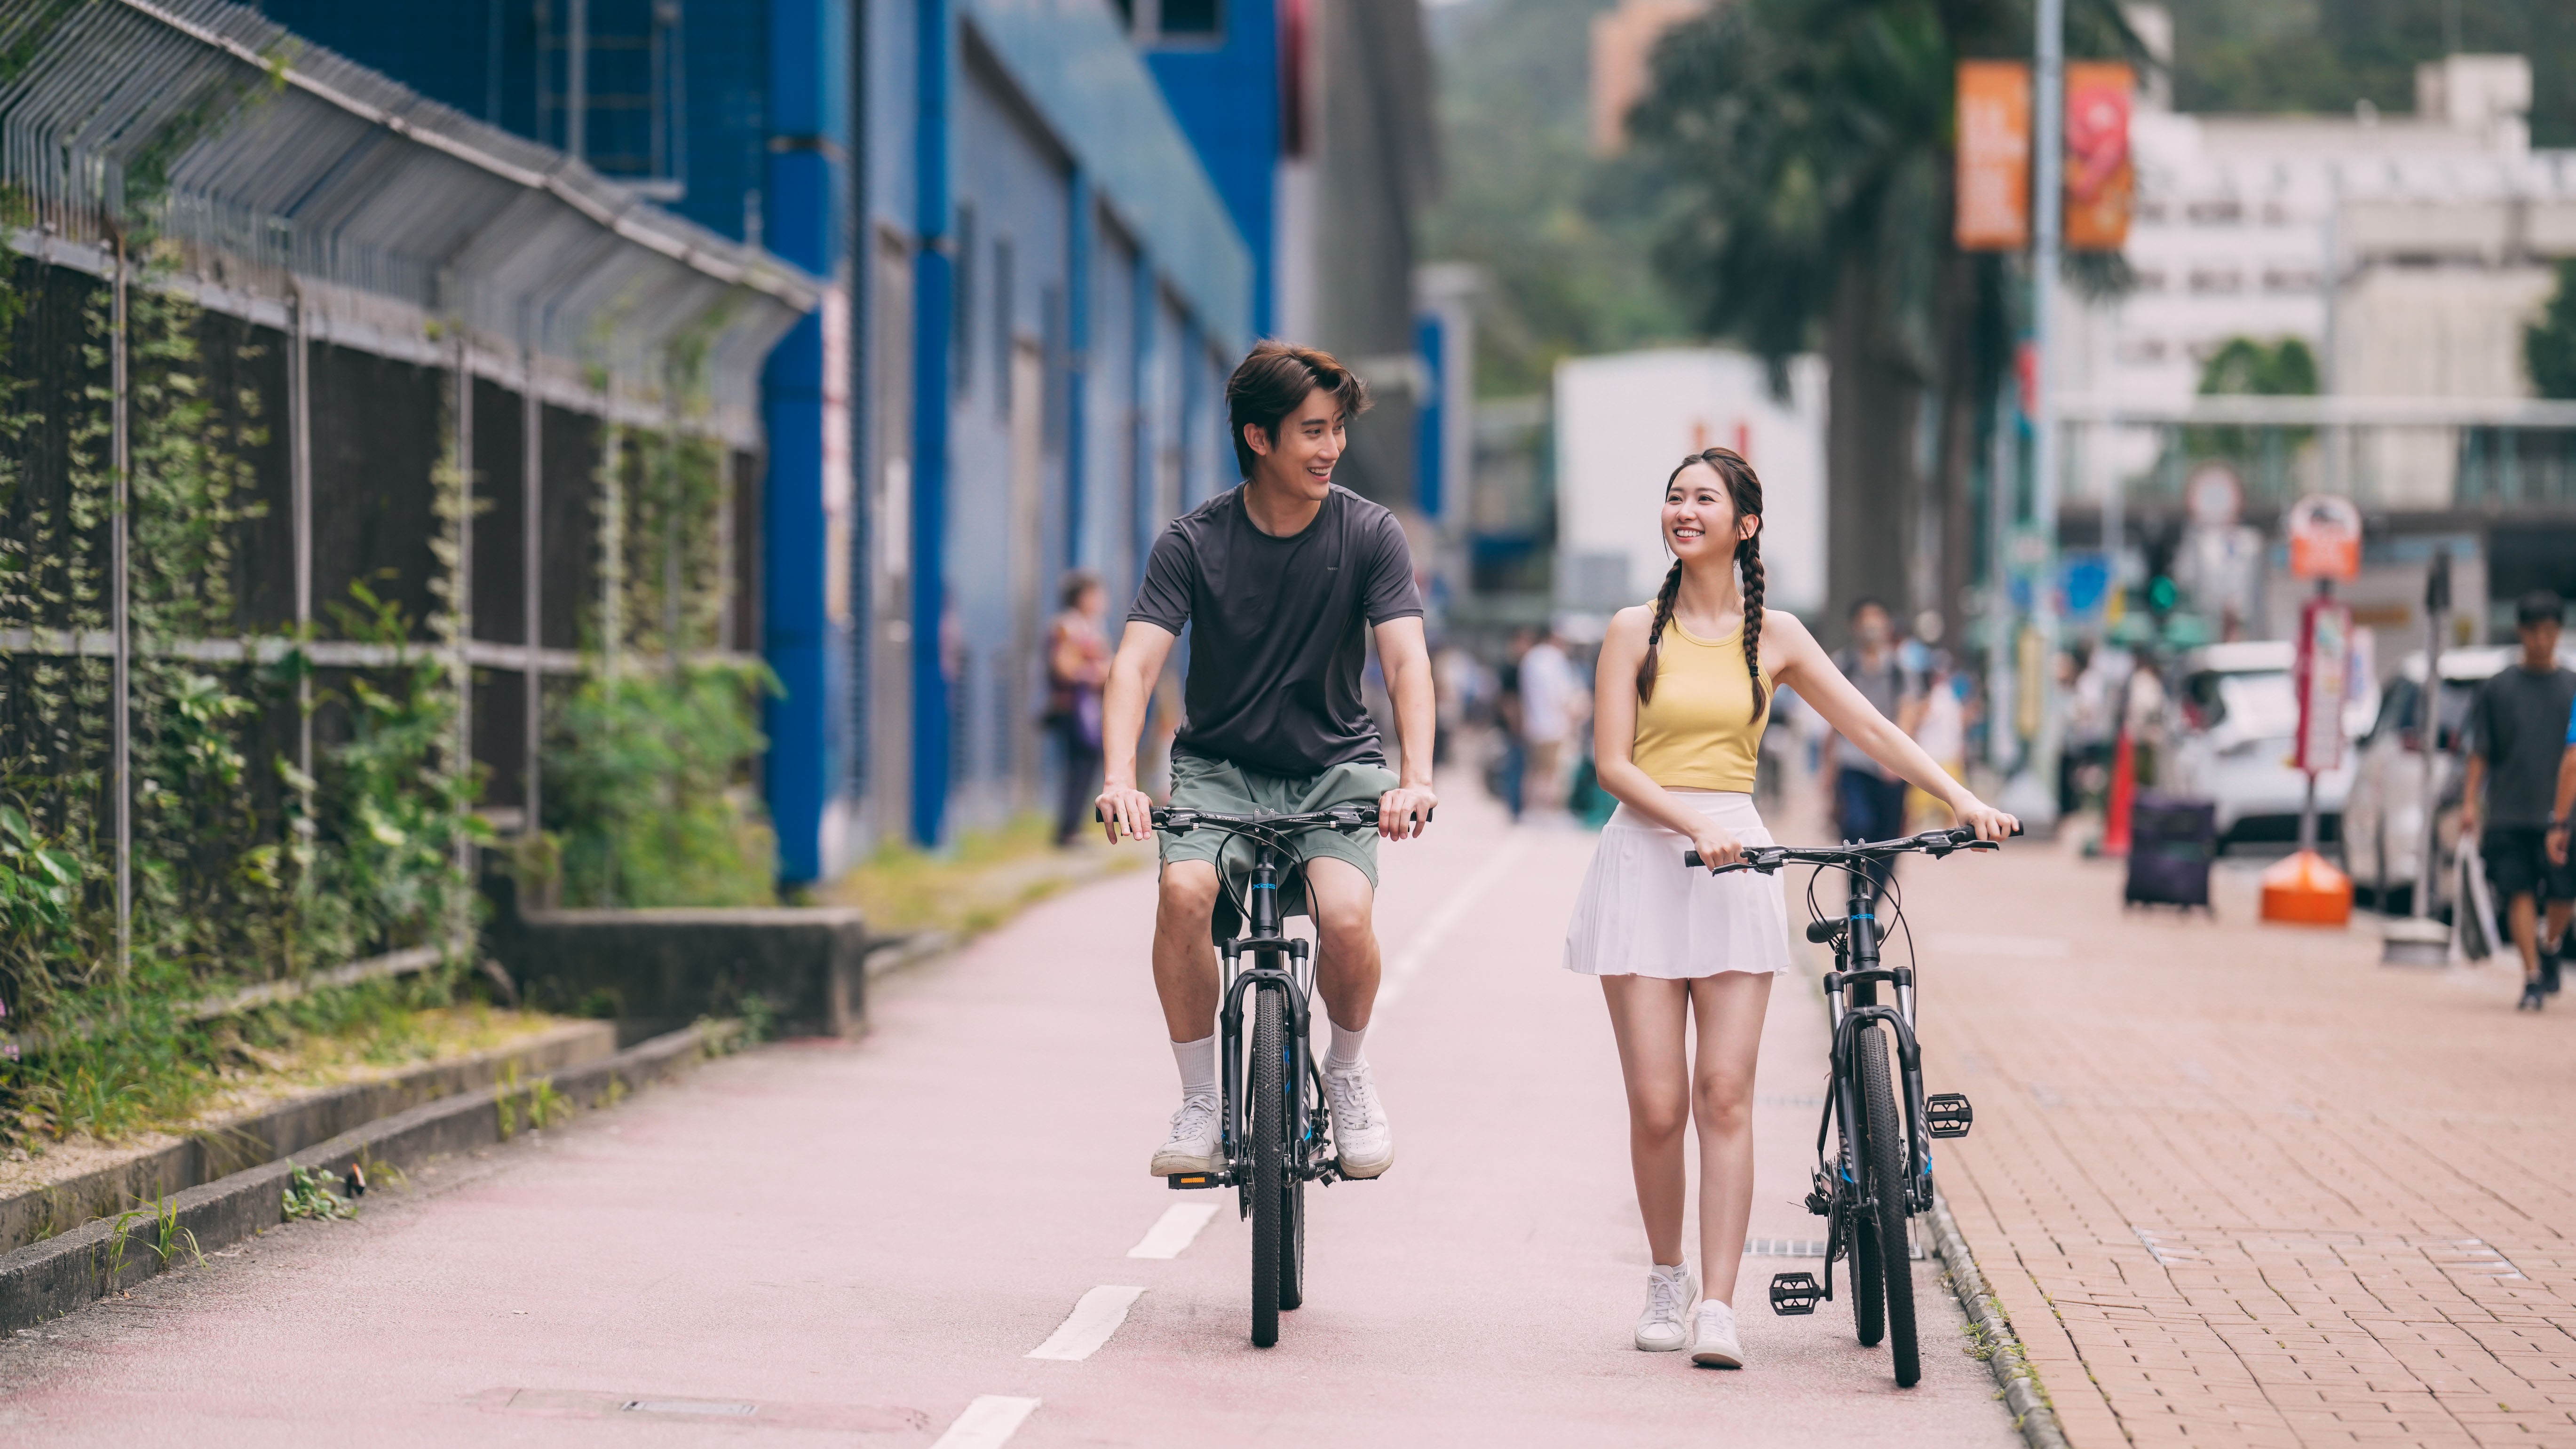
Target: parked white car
(2384,817)
(2240,715)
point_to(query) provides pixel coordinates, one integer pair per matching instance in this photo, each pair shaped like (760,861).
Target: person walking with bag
(2517,736)
(1077,663)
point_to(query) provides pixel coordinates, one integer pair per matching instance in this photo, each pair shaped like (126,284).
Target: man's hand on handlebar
(1126,812)
(1405,811)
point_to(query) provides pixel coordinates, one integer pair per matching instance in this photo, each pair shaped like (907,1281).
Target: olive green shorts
(1201,783)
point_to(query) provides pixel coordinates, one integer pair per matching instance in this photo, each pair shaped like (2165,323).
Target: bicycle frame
(1857,972)
(1279,963)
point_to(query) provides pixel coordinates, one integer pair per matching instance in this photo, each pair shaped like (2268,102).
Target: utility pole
(2033,793)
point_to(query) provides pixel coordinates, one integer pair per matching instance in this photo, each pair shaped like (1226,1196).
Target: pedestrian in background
(2518,731)
(1077,662)
(1553,708)
(1942,730)
(1869,798)
(1511,759)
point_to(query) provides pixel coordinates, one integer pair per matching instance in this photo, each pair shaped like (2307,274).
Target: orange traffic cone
(2124,793)
(2306,890)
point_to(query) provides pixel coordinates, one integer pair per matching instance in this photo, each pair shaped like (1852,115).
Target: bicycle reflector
(1184,1180)
(1794,1293)
(1947,1114)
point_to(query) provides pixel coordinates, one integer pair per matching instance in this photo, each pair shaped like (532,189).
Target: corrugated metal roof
(278,166)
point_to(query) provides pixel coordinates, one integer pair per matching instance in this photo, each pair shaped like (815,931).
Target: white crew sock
(1344,1054)
(1197,1061)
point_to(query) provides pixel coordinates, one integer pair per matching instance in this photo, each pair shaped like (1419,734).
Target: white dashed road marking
(1089,1325)
(988,1423)
(1172,1234)
(1401,971)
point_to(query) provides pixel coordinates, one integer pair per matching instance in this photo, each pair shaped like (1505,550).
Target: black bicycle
(1881,1173)
(1275,1137)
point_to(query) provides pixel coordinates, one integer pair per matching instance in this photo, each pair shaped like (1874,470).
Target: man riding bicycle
(1280,579)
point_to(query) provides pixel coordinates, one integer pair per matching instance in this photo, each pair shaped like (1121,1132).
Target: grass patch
(984,879)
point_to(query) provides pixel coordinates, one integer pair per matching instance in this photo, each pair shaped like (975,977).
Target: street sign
(2325,537)
(1993,183)
(2323,679)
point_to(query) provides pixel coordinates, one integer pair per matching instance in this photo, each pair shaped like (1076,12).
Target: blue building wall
(1226,98)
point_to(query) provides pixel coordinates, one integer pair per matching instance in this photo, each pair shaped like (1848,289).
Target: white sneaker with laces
(1192,1147)
(1360,1134)
(1665,1325)
(1716,1345)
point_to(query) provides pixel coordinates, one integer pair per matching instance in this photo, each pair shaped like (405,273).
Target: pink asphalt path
(859,1240)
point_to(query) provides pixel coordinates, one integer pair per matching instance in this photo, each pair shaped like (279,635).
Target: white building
(2407,251)
(1624,421)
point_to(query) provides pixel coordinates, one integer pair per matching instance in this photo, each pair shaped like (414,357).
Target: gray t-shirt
(2519,723)
(1886,686)
(1279,628)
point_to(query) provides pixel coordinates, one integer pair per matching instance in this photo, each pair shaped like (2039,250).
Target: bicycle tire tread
(1886,1166)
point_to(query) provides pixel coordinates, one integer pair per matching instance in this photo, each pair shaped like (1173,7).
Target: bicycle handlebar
(1768,858)
(1340,817)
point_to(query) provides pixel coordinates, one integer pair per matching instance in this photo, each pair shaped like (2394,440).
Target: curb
(107,1255)
(2022,1391)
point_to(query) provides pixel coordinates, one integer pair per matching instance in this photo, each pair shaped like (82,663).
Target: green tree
(2549,345)
(1808,145)
(1566,236)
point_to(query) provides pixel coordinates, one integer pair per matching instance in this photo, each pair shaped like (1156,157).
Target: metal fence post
(299,463)
(532,574)
(460,603)
(121,614)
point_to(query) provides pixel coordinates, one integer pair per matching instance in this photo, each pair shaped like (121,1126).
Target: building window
(2217,281)
(1172,22)
(2223,212)
(2289,279)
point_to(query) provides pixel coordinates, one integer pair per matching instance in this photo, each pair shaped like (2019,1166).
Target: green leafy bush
(647,789)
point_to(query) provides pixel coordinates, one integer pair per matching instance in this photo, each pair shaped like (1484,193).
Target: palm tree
(1809,144)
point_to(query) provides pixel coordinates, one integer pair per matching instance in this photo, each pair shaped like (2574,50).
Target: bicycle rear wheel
(1886,1161)
(1269,1162)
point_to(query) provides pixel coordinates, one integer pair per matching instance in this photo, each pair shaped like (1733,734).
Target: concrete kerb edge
(107,1255)
(2022,1391)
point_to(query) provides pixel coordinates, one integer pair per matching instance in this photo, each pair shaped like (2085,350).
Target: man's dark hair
(2540,606)
(1870,601)
(1273,380)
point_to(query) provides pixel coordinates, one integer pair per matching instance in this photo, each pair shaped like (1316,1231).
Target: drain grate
(1806,1248)
(710,1408)
(2362,1252)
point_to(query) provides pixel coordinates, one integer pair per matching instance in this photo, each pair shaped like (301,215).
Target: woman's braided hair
(1744,489)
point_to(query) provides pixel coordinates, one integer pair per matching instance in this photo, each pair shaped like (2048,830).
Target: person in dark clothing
(2518,732)
(1282,582)
(1869,799)
(1077,662)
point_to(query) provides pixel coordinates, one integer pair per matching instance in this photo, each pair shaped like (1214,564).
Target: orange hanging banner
(2100,177)
(1993,186)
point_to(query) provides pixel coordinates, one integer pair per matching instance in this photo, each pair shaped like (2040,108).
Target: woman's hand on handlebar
(1989,822)
(1126,812)
(1717,847)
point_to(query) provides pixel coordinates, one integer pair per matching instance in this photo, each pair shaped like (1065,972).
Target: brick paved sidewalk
(2240,1184)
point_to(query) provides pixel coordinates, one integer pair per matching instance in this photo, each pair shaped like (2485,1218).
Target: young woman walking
(1683,689)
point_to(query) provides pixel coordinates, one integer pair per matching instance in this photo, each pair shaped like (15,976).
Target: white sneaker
(1192,1147)
(1665,1325)
(1716,1346)
(1360,1133)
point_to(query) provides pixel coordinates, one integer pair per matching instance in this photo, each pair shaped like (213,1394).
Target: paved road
(865,1243)
(2239,1184)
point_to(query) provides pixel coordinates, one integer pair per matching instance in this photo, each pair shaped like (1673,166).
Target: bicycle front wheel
(1886,1160)
(1860,1230)
(1269,1162)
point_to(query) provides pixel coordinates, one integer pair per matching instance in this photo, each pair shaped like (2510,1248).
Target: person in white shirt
(1552,709)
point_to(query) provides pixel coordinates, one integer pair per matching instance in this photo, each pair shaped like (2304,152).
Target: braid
(1748,556)
(1664,598)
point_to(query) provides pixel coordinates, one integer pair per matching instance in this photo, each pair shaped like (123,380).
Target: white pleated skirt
(1643,913)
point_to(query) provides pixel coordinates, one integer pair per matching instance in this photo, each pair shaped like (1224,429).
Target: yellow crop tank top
(1699,732)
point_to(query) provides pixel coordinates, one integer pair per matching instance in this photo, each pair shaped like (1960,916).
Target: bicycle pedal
(1947,1114)
(1794,1293)
(1181,1181)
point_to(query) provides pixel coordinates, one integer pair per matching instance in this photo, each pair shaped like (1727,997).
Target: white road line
(988,1423)
(1172,1233)
(1089,1325)
(1417,952)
